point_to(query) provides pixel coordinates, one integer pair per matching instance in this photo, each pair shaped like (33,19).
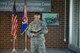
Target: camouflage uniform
(37,42)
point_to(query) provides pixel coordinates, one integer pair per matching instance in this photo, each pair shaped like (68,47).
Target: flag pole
(14,50)
(25,42)
(14,38)
(65,24)
(25,15)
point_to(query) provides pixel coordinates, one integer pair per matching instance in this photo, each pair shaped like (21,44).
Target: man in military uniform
(36,31)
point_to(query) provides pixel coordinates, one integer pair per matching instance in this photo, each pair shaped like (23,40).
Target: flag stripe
(14,22)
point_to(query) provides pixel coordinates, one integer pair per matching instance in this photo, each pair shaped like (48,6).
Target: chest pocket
(36,26)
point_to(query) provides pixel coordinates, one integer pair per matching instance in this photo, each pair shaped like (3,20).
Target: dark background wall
(54,38)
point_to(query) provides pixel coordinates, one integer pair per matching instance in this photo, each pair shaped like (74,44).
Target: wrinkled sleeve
(44,29)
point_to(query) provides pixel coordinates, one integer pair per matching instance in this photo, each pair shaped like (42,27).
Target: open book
(36,31)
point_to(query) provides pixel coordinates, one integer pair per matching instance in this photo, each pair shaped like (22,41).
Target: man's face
(36,17)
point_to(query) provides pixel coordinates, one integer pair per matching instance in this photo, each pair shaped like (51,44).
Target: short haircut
(37,13)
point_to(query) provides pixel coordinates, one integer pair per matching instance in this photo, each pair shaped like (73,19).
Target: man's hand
(35,34)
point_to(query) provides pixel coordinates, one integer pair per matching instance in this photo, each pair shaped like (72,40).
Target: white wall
(73,25)
(70,21)
(79,23)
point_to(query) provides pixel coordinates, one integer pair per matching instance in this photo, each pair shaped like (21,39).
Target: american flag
(14,22)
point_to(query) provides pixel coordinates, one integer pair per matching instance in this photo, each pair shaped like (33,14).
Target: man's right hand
(34,34)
